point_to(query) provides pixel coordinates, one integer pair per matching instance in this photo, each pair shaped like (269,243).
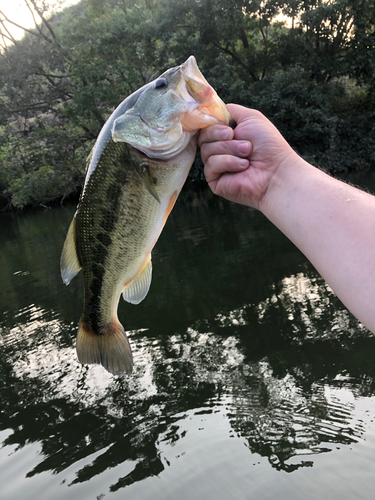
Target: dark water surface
(251,379)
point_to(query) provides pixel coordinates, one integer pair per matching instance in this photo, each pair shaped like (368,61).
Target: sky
(17,11)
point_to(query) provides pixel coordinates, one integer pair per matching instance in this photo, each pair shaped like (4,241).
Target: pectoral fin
(69,262)
(135,291)
(150,182)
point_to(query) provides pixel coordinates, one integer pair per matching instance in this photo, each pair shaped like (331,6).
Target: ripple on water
(190,391)
(288,422)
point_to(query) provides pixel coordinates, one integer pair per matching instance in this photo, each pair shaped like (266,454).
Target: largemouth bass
(136,170)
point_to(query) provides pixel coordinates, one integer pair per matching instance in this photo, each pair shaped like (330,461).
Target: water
(251,379)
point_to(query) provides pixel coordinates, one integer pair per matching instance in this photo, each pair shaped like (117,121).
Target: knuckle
(209,164)
(229,161)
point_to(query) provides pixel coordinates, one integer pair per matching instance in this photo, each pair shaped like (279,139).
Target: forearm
(333,224)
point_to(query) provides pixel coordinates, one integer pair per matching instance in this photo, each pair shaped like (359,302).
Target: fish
(134,175)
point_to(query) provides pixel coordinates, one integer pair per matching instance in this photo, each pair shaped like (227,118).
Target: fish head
(169,111)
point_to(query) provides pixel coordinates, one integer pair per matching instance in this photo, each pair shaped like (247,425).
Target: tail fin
(111,349)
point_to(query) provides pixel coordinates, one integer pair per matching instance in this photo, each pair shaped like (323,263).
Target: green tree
(313,76)
(58,86)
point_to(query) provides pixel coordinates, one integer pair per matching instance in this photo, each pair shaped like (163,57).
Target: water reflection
(239,341)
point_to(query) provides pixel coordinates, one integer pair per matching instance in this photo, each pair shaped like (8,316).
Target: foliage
(313,76)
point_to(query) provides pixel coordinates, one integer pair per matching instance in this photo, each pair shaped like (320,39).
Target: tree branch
(264,37)
(52,83)
(243,38)
(39,104)
(265,46)
(14,24)
(46,23)
(9,38)
(9,35)
(42,73)
(37,25)
(237,59)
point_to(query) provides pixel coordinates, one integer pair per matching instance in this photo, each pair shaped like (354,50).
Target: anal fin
(135,291)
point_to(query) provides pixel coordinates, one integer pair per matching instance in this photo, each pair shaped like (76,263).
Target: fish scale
(114,217)
(136,170)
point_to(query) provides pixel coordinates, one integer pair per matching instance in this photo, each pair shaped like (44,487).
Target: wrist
(284,181)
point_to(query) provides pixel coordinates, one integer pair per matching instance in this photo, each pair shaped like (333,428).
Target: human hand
(240,164)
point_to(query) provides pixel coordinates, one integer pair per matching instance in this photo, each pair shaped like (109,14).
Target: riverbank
(194,188)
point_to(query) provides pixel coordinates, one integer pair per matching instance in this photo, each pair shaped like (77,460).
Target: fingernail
(244,148)
(224,134)
(243,163)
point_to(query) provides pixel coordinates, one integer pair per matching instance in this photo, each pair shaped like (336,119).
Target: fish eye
(161,83)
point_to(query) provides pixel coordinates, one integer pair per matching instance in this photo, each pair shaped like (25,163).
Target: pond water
(251,379)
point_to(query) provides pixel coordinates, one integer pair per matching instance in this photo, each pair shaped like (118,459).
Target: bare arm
(332,223)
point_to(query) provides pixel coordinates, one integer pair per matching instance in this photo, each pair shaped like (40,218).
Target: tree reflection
(272,357)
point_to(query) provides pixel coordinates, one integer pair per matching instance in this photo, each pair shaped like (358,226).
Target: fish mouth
(207,108)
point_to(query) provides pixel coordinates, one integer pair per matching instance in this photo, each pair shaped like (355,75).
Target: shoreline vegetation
(308,65)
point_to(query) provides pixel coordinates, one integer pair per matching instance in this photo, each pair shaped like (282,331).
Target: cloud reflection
(77,411)
(257,353)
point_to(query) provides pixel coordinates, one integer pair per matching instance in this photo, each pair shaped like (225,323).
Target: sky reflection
(252,368)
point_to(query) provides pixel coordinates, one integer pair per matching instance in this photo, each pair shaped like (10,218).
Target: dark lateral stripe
(99,209)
